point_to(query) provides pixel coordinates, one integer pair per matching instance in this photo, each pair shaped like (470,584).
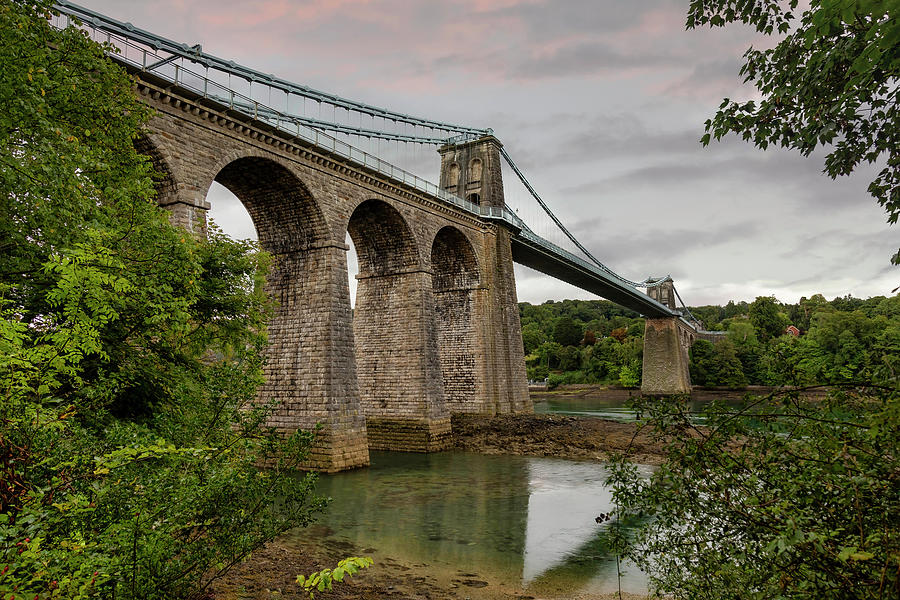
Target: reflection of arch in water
(465,510)
(568,547)
(592,565)
(455,279)
(394,331)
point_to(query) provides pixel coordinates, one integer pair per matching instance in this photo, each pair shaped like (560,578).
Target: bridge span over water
(435,328)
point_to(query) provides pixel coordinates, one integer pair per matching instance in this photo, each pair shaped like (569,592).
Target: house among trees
(791,330)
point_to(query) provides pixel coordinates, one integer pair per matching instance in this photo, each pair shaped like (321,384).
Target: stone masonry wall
(665,369)
(455,281)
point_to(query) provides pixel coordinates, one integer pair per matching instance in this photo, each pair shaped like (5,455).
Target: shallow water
(613,409)
(612,404)
(514,520)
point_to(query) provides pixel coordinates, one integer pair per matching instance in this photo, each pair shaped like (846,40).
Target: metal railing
(141,56)
(140,52)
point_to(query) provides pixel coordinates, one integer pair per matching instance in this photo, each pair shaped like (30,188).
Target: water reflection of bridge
(516,520)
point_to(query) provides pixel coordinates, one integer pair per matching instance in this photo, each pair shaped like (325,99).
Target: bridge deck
(533,251)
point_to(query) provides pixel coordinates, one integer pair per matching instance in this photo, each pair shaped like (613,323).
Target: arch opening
(284,214)
(397,362)
(455,282)
(229,214)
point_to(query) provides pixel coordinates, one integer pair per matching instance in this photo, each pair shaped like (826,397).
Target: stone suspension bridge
(435,328)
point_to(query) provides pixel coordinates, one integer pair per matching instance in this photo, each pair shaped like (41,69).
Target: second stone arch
(397,364)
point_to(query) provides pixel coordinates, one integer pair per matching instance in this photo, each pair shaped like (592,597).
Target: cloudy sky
(602,104)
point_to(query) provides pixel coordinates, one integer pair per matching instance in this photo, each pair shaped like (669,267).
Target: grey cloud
(653,246)
(709,78)
(584,58)
(550,20)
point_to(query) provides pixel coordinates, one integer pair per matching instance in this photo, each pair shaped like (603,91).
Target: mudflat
(555,435)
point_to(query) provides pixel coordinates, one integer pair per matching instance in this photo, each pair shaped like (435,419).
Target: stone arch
(394,332)
(455,281)
(286,216)
(309,371)
(169,184)
(384,241)
(453,261)
(475,170)
(164,181)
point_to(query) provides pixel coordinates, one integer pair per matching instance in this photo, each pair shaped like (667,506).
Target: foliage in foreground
(324,580)
(783,498)
(130,352)
(830,81)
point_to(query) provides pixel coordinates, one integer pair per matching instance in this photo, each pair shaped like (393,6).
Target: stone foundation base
(338,452)
(408,435)
(666,359)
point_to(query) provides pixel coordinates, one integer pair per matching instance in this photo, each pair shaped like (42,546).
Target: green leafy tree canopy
(130,352)
(831,81)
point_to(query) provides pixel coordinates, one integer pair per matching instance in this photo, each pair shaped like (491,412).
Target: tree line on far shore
(838,341)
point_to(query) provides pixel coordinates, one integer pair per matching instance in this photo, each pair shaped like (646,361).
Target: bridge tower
(667,342)
(664,293)
(472,169)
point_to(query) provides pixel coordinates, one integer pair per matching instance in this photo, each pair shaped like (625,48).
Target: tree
(830,81)
(780,498)
(548,354)
(130,352)
(567,332)
(570,359)
(837,347)
(765,317)
(589,338)
(728,370)
(619,334)
(532,337)
(702,359)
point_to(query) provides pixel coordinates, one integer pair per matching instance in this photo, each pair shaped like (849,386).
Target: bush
(130,352)
(783,498)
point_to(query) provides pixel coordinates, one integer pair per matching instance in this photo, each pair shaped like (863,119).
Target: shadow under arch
(394,331)
(285,214)
(309,371)
(455,280)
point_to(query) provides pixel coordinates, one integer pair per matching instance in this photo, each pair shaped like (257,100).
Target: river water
(522,522)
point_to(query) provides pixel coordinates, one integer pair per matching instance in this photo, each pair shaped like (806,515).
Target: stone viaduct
(435,328)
